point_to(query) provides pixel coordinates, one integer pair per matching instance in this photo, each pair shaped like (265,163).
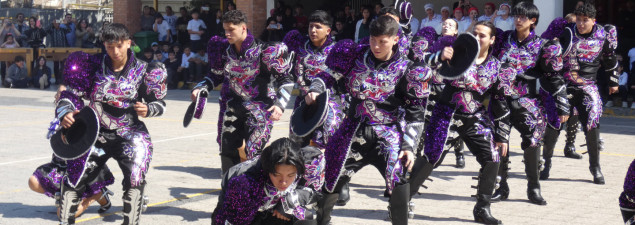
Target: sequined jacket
(427,47)
(112,96)
(309,61)
(586,53)
(253,74)
(247,190)
(534,58)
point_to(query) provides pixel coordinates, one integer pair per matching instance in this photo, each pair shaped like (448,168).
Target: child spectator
(17,74)
(623,88)
(186,58)
(165,48)
(41,74)
(147,55)
(172,65)
(196,28)
(158,57)
(163,28)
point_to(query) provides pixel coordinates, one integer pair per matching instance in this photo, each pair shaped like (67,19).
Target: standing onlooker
(362,29)
(463,21)
(186,58)
(230,6)
(70,24)
(432,19)
(41,74)
(288,21)
(34,35)
(57,38)
(171,18)
(17,74)
(163,28)
(273,31)
(378,8)
(8,28)
(147,19)
(21,26)
(172,65)
(504,20)
(181,24)
(85,35)
(473,14)
(301,21)
(489,12)
(196,28)
(216,26)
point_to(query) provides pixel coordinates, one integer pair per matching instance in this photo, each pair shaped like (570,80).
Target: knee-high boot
(133,205)
(70,200)
(627,215)
(593,147)
(486,184)
(420,172)
(399,203)
(550,138)
(532,169)
(502,193)
(572,130)
(344,196)
(325,207)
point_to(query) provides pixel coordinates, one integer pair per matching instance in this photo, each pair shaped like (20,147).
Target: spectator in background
(489,12)
(206,16)
(216,26)
(154,46)
(432,19)
(301,21)
(163,28)
(631,81)
(57,39)
(171,18)
(17,76)
(148,55)
(177,51)
(473,18)
(8,28)
(181,26)
(21,26)
(147,20)
(464,21)
(288,21)
(9,42)
(172,65)
(198,65)
(41,74)
(340,32)
(165,49)
(70,24)
(231,6)
(273,31)
(34,35)
(186,58)
(504,20)
(362,29)
(196,29)
(158,57)
(85,35)
(623,88)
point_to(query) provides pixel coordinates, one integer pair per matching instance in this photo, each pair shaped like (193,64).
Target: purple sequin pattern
(441,43)
(243,197)
(138,147)
(260,126)
(437,132)
(333,121)
(79,71)
(314,173)
(627,198)
(337,151)
(50,181)
(155,80)
(556,27)
(216,50)
(96,187)
(535,121)
(549,107)
(76,100)
(389,140)
(593,105)
(428,34)
(75,168)
(274,58)
(343,55)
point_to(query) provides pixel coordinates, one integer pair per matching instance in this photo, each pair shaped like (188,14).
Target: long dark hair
(283,151)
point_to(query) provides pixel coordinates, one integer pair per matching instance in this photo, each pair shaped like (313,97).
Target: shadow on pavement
(19,210)
(182,192)
(203,172)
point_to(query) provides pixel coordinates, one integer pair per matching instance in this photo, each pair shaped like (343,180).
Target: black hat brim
(71,143)
(565,39)
(305,119)
(466,48)
(196,108)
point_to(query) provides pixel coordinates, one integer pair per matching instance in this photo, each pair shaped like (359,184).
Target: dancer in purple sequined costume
(460,104)
(278,187)
(591,46)
(250,71)
(532,57)
(309,62)
(386,117)
(120,89)
(627,198)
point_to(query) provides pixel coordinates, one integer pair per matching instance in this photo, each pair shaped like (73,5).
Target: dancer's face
(584,24)
(235,32)
(449,28)
(483,34)
(118,50)
(381,46)
(524,23)
(318,32)
(284,176)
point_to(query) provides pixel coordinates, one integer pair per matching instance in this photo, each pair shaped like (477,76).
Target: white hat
(445,8)
(429,6)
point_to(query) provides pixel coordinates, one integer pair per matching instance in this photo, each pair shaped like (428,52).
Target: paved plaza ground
(183,181)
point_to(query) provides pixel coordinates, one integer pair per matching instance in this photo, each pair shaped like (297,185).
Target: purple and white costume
(308,63)
(250,79)
(627,198)
(249,197)
(122,135)
(50,177)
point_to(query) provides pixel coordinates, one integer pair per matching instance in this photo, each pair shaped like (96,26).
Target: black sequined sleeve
(413,87)
(609,59)
(552,80)
(154,88)
(278,62)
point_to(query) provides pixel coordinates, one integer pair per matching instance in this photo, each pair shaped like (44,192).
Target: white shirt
(631,55)
(504,25)
(485,17)
(414,25)
(623,79)
(171,21)
(162,28)
(185,60)
(435,23)
(464,24)
(194,25)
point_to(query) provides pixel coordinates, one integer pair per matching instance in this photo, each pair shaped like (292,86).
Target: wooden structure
(9,54)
